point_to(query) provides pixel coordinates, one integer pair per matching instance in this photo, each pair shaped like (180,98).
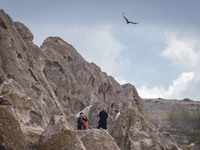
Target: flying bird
(127,21)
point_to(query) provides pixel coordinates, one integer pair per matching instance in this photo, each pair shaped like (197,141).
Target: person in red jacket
(86,122)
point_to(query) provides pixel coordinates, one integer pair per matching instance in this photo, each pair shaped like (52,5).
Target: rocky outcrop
(23,109)
(54,80)
(60,135)
(132,131)
(95,139)
(11,136)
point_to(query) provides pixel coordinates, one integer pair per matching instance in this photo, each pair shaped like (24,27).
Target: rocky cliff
(47,86)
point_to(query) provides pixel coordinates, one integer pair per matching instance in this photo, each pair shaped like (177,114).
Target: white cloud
(176,90)
(184,53)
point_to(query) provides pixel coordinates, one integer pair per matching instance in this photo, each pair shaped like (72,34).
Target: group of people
(82,121)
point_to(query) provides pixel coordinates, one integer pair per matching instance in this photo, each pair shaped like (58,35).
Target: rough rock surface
(56,77)
(60,135)
(54,80)
(95,139)
(132,131)
(11,136)
(23,109)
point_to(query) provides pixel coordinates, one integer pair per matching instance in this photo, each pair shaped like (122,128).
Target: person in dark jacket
(80,122)
(103,119)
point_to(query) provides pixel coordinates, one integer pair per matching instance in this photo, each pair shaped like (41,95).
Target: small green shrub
(183,117)
(193,136)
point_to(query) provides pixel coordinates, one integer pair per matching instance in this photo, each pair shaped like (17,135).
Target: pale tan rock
(24,110)
(132,131)
(21,61)
(23,31)
(10,132)
(94,139)
(60,135)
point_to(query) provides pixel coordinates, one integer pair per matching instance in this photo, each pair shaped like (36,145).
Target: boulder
(95,139)
(11,136)
(23,109)
(60,135)
(24,32)
(132,131)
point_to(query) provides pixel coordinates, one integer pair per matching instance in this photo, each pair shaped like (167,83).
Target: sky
(160,56)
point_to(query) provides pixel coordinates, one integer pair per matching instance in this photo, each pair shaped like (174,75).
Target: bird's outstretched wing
(127,21)
(133,22)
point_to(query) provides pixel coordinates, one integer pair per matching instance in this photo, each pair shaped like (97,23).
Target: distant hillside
(157,111)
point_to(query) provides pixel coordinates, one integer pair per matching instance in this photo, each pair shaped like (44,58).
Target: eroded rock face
(11,136)
(54,80)
(132,131)
(60,135)
(94,139)
(24,110)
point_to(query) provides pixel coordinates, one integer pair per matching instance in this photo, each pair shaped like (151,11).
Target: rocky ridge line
(48,85)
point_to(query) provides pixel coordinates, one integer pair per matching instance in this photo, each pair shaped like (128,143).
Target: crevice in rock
(2,147)
(9,76)
(118,92)
(105,89)
(70,59)
(100,91)
(44,71)
(108,88)
(112,105)
(36,89)
(78,105)
(35,118)
(56,93)
(56,64)
(32,75)
(1,81)
(3,25)
(91,81)
(19,56)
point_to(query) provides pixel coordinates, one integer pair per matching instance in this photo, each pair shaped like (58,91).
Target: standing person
(80,122)
(103,119)
(86,122)
(117,114)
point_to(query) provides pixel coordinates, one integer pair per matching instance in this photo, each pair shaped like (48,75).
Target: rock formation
(132,131)
(11,135)
(60,135)
(48,85)
(98,139)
